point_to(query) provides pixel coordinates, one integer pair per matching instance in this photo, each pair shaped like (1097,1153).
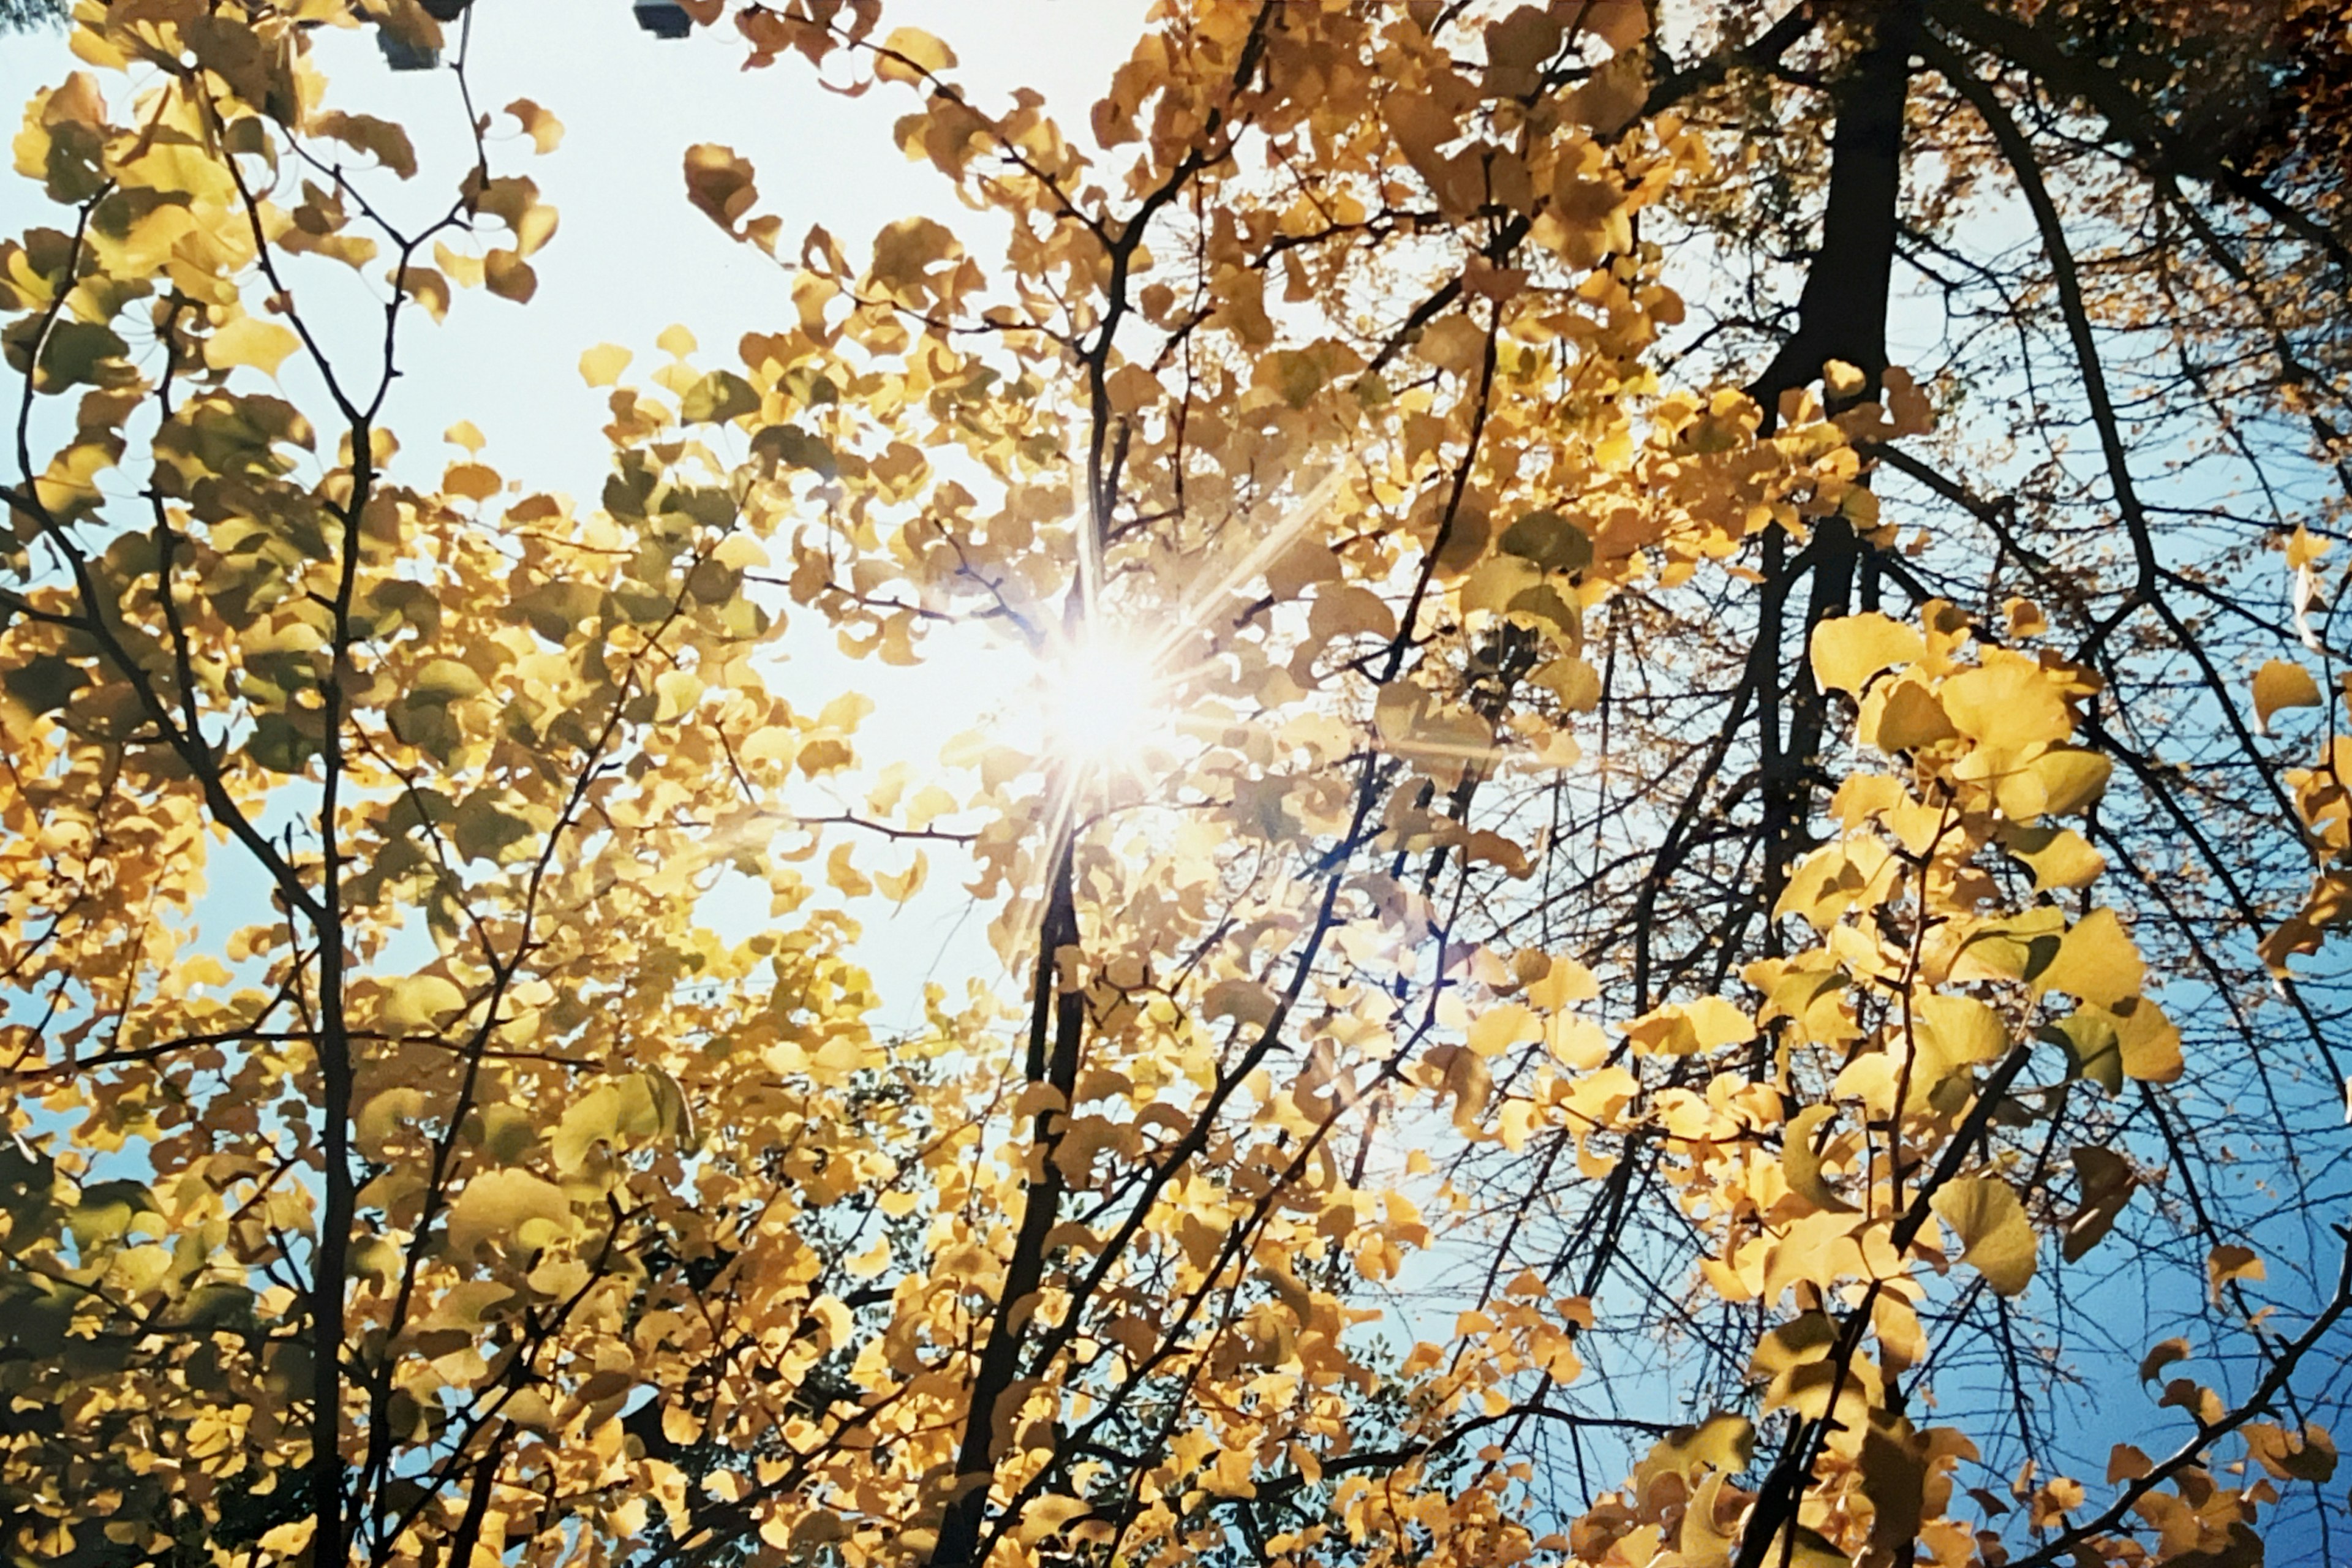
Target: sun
(1104,699)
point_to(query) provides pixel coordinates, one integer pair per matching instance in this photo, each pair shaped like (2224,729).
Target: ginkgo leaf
(1498,1029)
(1801,1164)
(445,680)
(2307,1457)
(2147,1042)
(2072,779)
(1996,1238)
(2281,683)
(508,276)
(2106,1180)
(719,396)
(1550,540)
(546,132)
(909,53)
(1848,651)
(420,1002)
(1684,1028)
(2230,1262)
(509,1206)
(382,139)
(1245,1001)
(2060,856)
(720,183)
(247,340)
(2007,702)
(2096,961)
(602,365)
(2152,1364)
(1967,1030)
(383,1116)
(289,1540)
(1619,24)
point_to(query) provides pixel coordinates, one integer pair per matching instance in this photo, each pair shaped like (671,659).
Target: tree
(20,14)
(1633,926)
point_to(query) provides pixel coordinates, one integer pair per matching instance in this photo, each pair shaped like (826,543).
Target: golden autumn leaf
(1846,653)
(2282,683)
(264,345)
(545,131)
(1996,1238)
(909,54)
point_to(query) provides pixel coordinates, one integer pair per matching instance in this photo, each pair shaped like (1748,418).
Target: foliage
(1675,893)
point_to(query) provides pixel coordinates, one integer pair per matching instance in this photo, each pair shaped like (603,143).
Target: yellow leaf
(2230,1261)
(1844,380)
(1802,1165)
(546,132)
(1500,1028)
(1962,1030)
(720,183)
(264,345)
(1619,24)
(1848,651)
(1996,1238)
(602,365)
(1564,981)
(427,286)
(2162,1356)
(844,876)
(420,1002)
(909,54)
(508,276)
(2096,961)
(2311,1458)
(2148,1041)
(2006,701)
(2072,779)
(2281,683)
(382,140)
(382,1115)
(514,1206)
(2060,856)
(1244,1000)
(1684,1028)
(289,1540)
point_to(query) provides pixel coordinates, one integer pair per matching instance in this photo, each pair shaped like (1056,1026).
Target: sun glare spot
(1103,698)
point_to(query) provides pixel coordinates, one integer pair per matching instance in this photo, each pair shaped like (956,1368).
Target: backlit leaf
(2281,683)
(1996,1238)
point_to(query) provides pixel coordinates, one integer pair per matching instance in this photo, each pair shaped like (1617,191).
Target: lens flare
(1104,699)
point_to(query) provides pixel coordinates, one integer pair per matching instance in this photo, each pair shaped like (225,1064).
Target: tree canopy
(1672,902)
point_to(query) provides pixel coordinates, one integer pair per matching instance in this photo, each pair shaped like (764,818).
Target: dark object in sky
(663,18)
(445,10)
(402,55)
